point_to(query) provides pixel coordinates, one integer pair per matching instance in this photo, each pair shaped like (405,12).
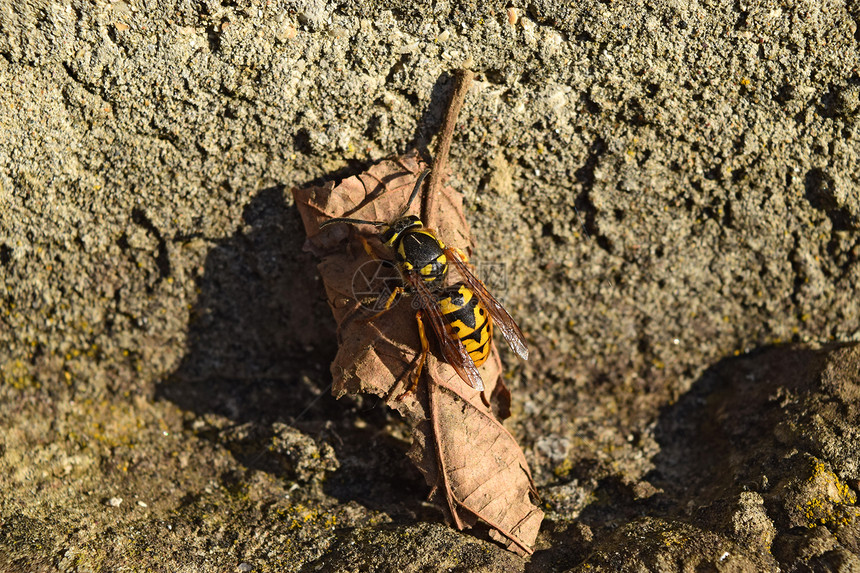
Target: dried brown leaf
(467,456)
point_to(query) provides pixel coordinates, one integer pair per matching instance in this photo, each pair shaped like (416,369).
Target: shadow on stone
(255,375)
(256,344)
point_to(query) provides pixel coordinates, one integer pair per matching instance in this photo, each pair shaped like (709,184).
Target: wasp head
(392,233)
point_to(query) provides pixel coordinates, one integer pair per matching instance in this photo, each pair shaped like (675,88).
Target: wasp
(461,315)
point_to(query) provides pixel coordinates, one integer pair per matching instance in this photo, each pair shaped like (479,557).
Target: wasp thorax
(419,251)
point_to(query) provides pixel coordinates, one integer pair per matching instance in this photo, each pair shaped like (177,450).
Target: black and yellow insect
(462,315)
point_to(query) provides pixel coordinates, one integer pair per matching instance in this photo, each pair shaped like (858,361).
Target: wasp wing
(504,321)
(452,348)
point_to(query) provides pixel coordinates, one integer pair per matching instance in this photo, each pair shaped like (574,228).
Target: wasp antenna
(353,221)
(415,191)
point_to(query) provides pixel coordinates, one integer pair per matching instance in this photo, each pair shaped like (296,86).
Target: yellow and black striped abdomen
(468,320)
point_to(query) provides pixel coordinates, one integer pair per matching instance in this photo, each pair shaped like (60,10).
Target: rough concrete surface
(672,185)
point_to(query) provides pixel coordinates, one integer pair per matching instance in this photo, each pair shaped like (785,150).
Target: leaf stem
(462,84)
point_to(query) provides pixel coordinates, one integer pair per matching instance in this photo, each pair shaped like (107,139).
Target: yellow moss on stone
(563,469)
(834,508)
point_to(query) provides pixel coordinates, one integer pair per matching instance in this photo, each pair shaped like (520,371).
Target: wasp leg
(368,248)
(397,291)
(425,348)
(463,256)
